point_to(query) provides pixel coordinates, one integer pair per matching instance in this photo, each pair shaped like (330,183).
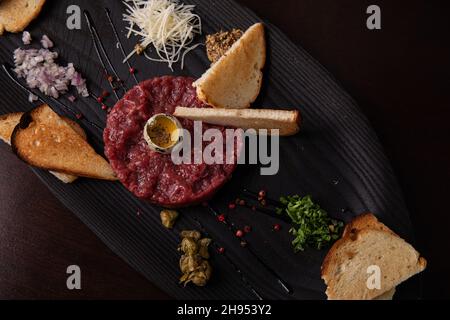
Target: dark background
(399,76)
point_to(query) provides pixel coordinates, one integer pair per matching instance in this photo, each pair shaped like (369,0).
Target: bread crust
(345,249)
(7,124)
(51,157)
(365,221)
(286,122)
(14,119)
(15,15)
(9,121)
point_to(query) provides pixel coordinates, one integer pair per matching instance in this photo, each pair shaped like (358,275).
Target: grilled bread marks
(44,140)
(16,15)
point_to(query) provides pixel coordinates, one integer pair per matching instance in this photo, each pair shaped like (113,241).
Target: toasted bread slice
(287,122)
(235,80)
(64,177)
(44,140)
(369,221)
(16,15)
(9,121)
(7,124)
(344,269)
(365,221)
(388,295)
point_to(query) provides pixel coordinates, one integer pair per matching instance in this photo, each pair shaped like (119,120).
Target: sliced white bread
(365,221)
(287,122)
(9,121)
(344,269)
(235,80)
(44,140)
(369,221)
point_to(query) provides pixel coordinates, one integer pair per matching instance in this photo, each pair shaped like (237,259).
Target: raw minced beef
(150,175)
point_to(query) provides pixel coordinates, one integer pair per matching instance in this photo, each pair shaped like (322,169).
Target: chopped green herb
(312,225)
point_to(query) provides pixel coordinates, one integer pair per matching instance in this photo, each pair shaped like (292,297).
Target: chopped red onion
(46,42)
(26,37)
(33,97)
(39,69)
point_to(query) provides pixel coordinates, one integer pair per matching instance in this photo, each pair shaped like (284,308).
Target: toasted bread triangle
(344,269)
(7,124)
(365,221)
(15,15)
(44,140)
(235,80)
(369,221)
(9,121)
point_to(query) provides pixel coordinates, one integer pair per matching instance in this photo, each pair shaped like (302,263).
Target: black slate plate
(336,158)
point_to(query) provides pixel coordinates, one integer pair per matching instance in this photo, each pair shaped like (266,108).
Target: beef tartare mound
(151,175)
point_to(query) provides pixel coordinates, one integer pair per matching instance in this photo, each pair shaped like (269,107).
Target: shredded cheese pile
(167,25)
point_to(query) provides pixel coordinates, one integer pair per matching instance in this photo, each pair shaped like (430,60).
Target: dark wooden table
(400,77)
